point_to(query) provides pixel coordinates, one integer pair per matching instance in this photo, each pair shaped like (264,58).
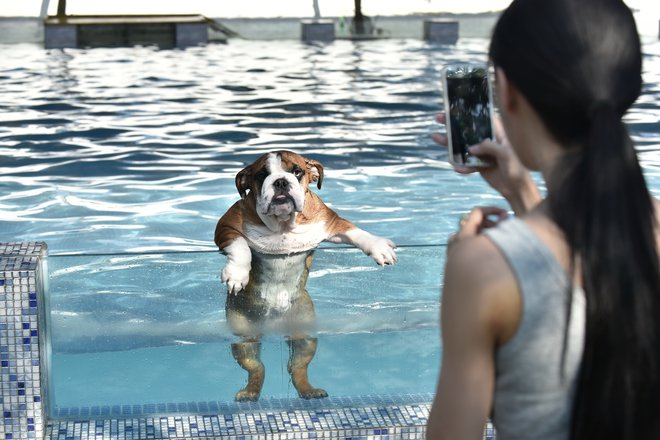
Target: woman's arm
(505,174)
(480,311)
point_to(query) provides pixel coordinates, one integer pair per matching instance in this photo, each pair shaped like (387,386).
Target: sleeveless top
(533,390)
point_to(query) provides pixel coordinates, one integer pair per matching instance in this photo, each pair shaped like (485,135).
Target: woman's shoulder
(478,276)
(476,261)
(476,248)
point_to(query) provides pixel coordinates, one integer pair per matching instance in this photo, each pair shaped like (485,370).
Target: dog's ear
(315,170)
(243,179)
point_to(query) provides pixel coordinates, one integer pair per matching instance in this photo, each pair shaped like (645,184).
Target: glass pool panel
(151,329)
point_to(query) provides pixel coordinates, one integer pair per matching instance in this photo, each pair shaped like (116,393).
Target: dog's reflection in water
(269,237)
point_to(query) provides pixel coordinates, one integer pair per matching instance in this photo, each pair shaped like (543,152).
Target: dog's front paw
(236,276)
(382,251)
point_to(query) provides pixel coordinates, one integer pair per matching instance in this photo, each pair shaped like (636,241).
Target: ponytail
(607,214)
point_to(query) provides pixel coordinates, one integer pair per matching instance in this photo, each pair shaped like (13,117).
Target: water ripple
(130,149)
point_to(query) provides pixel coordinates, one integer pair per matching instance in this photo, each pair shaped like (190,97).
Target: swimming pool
(122,160)
(135,150)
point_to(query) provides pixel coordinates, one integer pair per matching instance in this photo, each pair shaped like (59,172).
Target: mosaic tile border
(225,407)
(372,422)
(359,417)
(23,249)
(405,422)
(23,348)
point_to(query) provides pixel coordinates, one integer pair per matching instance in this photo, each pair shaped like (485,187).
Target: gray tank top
(533,399)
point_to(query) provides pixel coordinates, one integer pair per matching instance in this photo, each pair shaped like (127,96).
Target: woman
(551,320)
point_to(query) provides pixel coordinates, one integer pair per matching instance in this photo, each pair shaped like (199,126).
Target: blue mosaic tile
(387,421)
(21,292)
(22,249)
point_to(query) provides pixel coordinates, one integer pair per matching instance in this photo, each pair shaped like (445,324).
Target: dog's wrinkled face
(279,181)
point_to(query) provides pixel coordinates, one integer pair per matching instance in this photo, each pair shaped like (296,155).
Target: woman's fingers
(493,214)
(461,169)
(472,223)
(439,139)
(499,130)
(480,218)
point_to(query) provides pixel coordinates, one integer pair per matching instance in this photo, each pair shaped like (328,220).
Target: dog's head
(279,181)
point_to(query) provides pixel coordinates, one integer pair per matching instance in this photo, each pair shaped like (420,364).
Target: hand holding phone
(504,173)
(468,101)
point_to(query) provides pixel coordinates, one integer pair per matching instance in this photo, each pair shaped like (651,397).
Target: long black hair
(578,63)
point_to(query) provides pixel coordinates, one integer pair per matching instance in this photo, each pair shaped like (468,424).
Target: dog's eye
(298,173)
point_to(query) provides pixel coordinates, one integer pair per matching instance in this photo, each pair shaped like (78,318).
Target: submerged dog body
(269,237)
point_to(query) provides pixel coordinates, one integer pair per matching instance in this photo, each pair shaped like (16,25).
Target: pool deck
(78,20)
(166,31)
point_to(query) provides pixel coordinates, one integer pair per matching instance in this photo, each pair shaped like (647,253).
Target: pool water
(122,160)
(135,150)
(159,335)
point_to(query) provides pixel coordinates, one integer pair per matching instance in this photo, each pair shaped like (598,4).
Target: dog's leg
(380,249)
(248,356)
(301,352)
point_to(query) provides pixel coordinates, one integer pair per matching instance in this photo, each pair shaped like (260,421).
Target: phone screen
(468,110)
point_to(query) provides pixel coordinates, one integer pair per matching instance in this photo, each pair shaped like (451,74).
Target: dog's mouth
(281,199)
(282,206)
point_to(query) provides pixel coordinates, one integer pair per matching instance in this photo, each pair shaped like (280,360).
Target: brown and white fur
(269,237)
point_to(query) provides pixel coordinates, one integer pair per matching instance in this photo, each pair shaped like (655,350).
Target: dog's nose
(281,184)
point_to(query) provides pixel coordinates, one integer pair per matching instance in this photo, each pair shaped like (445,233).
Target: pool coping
(377,422)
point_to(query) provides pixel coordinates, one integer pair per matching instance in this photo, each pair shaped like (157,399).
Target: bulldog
(269,237)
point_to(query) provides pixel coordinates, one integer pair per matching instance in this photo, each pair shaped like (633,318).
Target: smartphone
(468,105)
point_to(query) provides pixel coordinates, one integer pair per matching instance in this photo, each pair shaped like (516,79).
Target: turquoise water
(151,328)
(122,160)
(135,150)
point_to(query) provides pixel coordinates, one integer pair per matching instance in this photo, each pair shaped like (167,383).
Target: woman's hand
(505,174)
(477,220)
